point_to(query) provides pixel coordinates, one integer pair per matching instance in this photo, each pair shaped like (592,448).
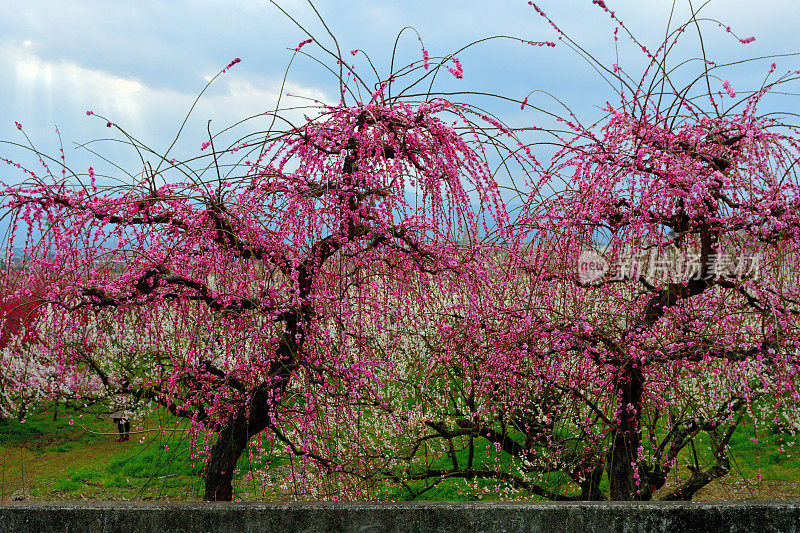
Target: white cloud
(46,92)
(67,85)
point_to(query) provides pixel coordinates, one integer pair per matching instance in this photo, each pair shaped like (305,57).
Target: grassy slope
(51,460)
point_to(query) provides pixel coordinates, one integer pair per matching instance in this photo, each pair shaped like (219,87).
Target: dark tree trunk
(624,454)
(230,445)
(237,432)
(253,419)
(590,487)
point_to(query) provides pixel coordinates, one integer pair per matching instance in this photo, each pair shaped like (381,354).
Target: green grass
(39,432)
(754,455)
(53,459)
(774,456)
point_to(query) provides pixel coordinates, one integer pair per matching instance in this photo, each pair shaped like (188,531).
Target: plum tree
(646,308)
(214,290)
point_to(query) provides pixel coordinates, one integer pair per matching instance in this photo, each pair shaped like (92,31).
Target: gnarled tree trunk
(624,454)
(253,418)
(220,468)
(237,432)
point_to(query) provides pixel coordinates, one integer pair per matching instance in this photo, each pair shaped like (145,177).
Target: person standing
(121,417)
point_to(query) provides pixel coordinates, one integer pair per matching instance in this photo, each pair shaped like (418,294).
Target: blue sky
(142,63)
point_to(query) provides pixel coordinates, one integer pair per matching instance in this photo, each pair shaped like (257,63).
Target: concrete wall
(94,517)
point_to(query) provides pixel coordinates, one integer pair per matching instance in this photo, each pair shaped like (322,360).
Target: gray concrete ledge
(107,517)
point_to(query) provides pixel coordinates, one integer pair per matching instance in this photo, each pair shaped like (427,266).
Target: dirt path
(736,488)
(25,473)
